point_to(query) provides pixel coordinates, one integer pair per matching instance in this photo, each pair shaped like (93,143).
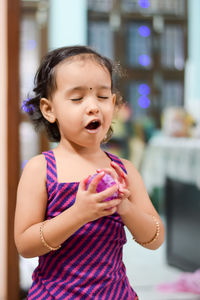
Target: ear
(47,111)
(114,98)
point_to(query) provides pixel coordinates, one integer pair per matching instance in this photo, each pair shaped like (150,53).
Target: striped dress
(89,263)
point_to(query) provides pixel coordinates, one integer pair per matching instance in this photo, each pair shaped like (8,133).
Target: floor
(146,269)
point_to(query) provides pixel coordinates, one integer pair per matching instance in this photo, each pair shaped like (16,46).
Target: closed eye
(101,97)
(76,99)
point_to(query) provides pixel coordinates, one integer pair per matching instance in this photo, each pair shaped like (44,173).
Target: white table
(177,158)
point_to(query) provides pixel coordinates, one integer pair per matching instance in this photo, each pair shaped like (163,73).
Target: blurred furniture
(173,165)
(183,224)
(176,158)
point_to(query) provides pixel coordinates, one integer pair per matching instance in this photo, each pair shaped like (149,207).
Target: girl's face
(83,103)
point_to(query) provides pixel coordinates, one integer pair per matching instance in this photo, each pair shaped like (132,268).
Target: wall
(192,87)
(67,23)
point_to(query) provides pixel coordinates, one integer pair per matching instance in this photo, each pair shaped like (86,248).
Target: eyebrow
(82,88)
(104,87)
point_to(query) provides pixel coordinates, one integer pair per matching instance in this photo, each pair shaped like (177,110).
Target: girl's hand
(121,175)
(122,179)
(124,206)
(90,205)
(118,175)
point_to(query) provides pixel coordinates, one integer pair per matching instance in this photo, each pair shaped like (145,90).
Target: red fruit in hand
(105,182)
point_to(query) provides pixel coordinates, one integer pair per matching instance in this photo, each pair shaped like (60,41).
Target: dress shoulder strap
(117,160)
(51,166)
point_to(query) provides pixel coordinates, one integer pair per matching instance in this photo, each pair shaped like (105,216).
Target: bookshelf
(149,39)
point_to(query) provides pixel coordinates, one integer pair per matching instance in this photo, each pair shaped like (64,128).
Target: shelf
(150,53)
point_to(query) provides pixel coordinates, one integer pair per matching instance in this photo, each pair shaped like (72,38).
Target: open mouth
(93,125)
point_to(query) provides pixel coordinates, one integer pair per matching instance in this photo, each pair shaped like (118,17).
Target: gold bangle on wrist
(43,240)
(155,237)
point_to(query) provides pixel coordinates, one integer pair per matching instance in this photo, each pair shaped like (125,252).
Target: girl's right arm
(31,209)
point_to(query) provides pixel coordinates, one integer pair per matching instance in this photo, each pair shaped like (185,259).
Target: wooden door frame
(13,29)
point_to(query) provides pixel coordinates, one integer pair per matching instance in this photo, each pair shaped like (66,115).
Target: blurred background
(156,43)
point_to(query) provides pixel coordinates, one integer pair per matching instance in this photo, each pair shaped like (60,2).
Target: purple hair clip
(28,108)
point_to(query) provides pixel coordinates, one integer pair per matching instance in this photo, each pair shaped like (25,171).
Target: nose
(92,106)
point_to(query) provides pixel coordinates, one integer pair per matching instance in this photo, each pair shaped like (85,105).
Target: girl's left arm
(138,212)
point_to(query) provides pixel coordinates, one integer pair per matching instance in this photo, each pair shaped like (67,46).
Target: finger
(109,171)
(117,169)
(83,183)
(111,204)
(111,211)
(95,181)
(124,193)
(122,175)
(107,193)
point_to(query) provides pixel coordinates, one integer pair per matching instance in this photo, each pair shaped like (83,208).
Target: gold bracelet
(43,240)
(154,237)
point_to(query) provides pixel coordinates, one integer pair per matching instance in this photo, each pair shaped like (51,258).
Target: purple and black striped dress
(89,263)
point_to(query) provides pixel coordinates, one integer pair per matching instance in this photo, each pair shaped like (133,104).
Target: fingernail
(122,174)
(98,170)
(86,179)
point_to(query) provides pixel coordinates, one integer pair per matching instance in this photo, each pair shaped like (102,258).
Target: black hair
(45,85)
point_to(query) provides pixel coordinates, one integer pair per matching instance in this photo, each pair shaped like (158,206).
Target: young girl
(59,216)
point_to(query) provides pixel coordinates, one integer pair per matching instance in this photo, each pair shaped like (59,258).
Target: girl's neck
(77,150)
